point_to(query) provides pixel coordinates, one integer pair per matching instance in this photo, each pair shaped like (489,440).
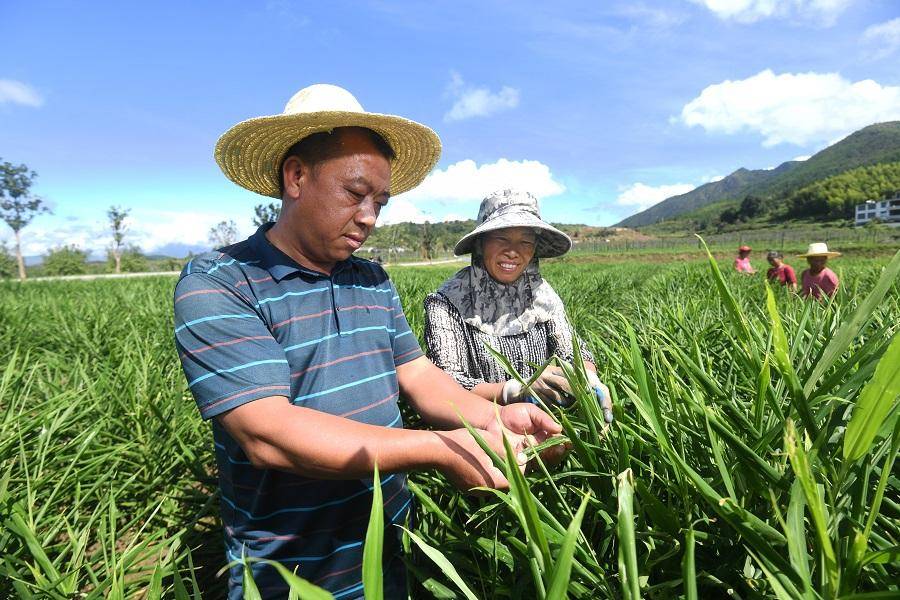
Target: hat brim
(828,254)
(551,241)
(250,153)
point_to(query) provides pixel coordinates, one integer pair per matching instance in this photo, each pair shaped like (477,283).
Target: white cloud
(802,157)
(652,17)
(455,217)
(712,178)
(401,210)
(154,229)
(147,229)
(801,108)
(473,101)
(641,196)
(467,181)
(883,39)
(16,92)
(750,11)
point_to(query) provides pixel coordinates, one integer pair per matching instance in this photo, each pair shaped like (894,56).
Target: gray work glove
(551,387)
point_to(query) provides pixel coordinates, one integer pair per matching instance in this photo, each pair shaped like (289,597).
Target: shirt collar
(279,264)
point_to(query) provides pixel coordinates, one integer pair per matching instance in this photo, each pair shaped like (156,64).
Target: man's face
(332,208)
(816,263)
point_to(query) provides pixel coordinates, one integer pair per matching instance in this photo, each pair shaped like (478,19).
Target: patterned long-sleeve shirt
(459,348)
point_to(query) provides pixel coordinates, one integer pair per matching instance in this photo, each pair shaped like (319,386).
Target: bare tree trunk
(19,259)
(118,256)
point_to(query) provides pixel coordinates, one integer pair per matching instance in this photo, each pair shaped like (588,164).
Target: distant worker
(742,262)
(818,279)
(780,271)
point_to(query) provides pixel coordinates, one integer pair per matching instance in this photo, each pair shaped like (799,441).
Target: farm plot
(753,453)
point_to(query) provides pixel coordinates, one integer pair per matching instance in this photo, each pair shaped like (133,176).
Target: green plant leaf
(850,328)
(559,578)
(628,569)
(373,584)
(441,561)
(874,404)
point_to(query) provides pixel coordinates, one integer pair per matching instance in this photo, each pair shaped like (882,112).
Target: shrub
(133,260)
(65,260)
(7,263)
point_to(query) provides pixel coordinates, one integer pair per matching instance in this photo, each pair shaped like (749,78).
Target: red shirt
(823,281)
(783,273)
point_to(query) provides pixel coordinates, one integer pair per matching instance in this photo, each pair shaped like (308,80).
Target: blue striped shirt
(251,323)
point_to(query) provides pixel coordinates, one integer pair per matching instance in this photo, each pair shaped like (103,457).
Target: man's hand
(535,425)
(467,466)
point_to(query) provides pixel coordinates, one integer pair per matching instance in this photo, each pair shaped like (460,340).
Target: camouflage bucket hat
(511,208)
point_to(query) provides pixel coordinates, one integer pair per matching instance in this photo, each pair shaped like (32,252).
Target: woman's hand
(551,386)
(603,397)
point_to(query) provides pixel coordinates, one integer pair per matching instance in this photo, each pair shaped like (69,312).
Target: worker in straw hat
(297,351)
(742,261)
(818,279)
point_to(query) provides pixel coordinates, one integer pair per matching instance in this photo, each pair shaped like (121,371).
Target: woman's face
(507,252)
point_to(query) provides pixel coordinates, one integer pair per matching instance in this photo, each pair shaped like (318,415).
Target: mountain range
(875,144)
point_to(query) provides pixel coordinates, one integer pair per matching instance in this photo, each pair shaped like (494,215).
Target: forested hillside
(774,189)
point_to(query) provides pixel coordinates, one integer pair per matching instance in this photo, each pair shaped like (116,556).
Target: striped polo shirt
(250,323)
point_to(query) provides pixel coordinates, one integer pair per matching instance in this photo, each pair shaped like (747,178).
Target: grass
(753,453)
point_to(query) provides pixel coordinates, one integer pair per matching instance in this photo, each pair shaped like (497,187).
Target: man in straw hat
(297,352)
(818,279)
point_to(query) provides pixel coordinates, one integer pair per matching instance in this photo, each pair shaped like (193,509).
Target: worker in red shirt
(780,271)
(818,279)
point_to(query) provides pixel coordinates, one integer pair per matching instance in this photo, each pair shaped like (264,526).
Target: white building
(886,211)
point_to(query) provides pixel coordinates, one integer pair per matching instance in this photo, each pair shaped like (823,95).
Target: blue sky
(600,108)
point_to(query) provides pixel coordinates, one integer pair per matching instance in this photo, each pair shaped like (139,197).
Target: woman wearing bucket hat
(818,279)
(501,300)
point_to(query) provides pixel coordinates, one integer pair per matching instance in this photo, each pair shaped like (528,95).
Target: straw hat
(511,208)
(819,249)
(251,152)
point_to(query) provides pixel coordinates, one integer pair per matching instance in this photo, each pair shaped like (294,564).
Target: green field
(743,462)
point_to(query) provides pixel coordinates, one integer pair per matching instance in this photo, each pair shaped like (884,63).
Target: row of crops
(753,453)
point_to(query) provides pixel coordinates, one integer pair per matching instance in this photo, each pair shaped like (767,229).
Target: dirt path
(172,273)
(100,276)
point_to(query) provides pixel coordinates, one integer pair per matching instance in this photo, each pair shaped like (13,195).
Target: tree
(130,259)
(116,216)
(17,206)
(223,233)
(427,241)
(729,215)
(7,262)
(750,207)
(265,213)
(65,260)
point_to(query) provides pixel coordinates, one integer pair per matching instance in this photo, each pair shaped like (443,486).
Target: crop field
(753,453)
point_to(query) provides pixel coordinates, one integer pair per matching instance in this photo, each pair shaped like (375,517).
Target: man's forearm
(439,399)
(323,446)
